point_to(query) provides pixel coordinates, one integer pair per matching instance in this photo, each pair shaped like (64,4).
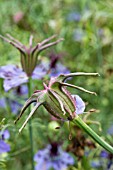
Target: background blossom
(53,157)
(4,146)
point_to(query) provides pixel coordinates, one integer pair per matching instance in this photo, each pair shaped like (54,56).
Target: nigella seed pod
(56,99)
(29,55)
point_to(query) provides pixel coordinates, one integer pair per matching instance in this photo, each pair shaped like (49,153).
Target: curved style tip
(30,115)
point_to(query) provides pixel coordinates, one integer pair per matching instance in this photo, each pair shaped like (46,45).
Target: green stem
(90,132)
(30,124)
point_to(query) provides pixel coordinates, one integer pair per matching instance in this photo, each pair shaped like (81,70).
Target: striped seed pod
(56,99)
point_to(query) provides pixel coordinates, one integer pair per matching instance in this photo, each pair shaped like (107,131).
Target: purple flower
(14,76)
(20,91)
(2,102)
(39,72)
(59,69)
(104,154)
(74,16)
(96,164)
(15,107)
(56,70)
(80,105)
(13,101)
(110,130)
(4,147)
(55,67)
(52,157)
(105,161)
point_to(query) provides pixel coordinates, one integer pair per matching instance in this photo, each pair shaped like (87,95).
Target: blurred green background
(87,29)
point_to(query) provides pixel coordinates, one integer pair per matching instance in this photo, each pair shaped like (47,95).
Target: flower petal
(59,69)
(5,134)
(66,158)
(39,72)
(2,102)
(13,75)
(14,82)
(4,147)
(110,130)
(7,71)
(47,159)
(80,105)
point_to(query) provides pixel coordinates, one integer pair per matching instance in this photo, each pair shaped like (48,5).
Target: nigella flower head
(56,99)
(4,147)
(52,157)
(30,54)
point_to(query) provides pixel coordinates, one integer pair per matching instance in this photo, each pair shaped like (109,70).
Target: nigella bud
(56,99)
(29,55)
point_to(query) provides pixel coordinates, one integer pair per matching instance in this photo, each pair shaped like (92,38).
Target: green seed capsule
(56,99)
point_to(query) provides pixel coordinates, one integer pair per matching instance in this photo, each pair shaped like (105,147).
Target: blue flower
(109,157)
(14,98)
(74,16)
(96,164)
(110,130)
(78,34)
(59,69)
(4,147)
(14,105)
(2,102)
(55,67)
(80,105)
(104,154)
(56,99)
(14,76)
(5,134)
(104,161)
(52,157)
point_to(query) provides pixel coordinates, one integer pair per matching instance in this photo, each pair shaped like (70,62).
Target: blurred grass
(87,47)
